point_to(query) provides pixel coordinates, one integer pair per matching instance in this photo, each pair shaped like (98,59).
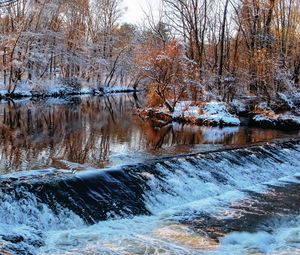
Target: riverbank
(72,88)
(202,114)
(285,116)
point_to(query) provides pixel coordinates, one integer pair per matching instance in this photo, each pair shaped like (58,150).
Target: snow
(260,118)
(56,87)
(22,89)
(185,109)
(216,112)
(114,89)
(86,90)
(287,100)
(285,119)
(219,112)
(28,89)
(214,108)
(290,117)
(50,89)
(2,92)
(238,106)
(263,106)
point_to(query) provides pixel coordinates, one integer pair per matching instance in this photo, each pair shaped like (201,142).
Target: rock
(205,114)
(263,121)
(13,238)
(286,121)
(156,116)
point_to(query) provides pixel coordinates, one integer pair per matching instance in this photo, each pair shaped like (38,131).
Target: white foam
(183,188)
(283,239)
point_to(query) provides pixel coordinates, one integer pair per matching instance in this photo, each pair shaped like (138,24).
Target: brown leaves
(169,72)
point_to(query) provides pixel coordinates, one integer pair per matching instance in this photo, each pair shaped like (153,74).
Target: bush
(72,83)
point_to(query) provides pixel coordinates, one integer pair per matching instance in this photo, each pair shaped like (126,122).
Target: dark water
(85,133)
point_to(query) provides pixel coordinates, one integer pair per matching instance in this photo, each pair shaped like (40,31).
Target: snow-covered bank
(285,116)
(286,120)
(60,88)
(204,114)
(280,113)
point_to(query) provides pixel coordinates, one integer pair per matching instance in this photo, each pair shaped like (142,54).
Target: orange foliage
(170,73)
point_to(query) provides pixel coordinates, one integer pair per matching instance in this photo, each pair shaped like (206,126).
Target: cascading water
(191,204)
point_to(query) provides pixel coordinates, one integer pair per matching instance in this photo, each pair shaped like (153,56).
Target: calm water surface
(95,132)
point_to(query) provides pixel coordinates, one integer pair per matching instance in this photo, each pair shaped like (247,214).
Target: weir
(211,192)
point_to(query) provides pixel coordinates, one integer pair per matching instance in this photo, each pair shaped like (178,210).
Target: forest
(188,50)
(193,48)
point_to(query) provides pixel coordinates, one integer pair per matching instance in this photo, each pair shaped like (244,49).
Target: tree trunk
(221,63)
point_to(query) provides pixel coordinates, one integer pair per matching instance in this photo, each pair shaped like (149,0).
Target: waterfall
(213,193)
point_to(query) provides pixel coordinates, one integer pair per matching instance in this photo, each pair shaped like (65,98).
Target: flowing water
(157,193)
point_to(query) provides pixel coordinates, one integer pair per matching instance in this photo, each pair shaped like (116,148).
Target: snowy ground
(212,112)
(204,114)
(287,119)
(55,88)
(265,116)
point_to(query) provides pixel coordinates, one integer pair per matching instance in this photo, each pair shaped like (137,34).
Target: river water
(87,176)
(95,132)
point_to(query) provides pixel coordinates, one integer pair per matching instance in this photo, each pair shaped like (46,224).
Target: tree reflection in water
(95,132)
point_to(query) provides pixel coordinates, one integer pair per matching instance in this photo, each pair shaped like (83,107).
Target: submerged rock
(13,238)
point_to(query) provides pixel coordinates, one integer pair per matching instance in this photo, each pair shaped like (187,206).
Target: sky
(135,13)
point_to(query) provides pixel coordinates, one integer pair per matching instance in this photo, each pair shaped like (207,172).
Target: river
(88,176)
